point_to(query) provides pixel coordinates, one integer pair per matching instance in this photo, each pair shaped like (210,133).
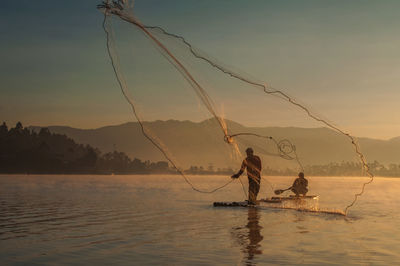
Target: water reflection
(249,236)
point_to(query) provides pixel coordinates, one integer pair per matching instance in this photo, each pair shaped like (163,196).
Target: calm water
(159,220)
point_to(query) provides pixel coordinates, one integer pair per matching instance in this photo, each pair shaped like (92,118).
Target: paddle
(280,191)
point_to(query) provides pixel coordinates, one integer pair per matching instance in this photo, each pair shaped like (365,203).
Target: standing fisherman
(252,164)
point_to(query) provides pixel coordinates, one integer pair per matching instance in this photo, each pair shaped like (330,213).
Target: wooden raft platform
(260,202)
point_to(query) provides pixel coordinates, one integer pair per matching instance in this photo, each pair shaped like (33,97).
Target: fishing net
(168,81)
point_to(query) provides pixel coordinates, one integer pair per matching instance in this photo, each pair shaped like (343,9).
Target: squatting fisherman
(300,185)
(252,164)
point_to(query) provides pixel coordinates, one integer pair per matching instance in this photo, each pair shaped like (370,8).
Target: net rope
(117,8)
(123,86)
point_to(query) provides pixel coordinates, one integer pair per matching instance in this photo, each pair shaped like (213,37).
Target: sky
(341,58)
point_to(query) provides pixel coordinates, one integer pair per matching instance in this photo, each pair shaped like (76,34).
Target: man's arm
(241,170)
(295,183)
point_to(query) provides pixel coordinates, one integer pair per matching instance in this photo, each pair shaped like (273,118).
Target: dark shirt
(300,184)
(252,164)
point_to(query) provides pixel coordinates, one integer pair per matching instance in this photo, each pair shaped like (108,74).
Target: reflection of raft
(265,202)
(302,203)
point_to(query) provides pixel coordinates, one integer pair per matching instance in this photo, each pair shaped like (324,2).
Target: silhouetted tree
(3,130)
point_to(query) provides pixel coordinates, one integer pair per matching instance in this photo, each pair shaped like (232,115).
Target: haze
(339,57)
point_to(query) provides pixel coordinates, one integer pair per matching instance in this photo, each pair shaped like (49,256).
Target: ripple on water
(151,221)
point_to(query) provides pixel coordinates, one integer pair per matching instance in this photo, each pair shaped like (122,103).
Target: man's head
(301,175)
(249,151)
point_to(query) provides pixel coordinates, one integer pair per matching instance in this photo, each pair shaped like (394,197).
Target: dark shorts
(254,186)
(299,190)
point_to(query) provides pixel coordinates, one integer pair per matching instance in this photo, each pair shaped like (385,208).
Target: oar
(280,191)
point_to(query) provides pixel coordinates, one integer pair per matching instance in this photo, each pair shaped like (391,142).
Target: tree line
(340,169)
(26,151)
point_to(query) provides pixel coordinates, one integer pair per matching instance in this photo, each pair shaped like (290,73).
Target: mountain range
(200,143)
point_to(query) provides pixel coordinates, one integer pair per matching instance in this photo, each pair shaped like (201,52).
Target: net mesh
(164,77)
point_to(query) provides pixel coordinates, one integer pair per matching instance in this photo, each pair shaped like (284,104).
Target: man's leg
(295,191)
(254,187)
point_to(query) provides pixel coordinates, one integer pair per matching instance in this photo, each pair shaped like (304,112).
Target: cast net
(167,81)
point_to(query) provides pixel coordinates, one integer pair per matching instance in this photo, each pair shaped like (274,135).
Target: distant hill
(196,143)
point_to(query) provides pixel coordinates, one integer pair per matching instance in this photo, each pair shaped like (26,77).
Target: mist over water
(152,220)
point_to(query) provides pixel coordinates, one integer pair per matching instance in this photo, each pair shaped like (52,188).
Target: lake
(160,220)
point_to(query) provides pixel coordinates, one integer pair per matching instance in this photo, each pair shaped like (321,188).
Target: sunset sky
(342,58)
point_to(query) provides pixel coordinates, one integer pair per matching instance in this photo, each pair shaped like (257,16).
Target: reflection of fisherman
(252,163)
(255,236)
(249,237)
(300,185)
